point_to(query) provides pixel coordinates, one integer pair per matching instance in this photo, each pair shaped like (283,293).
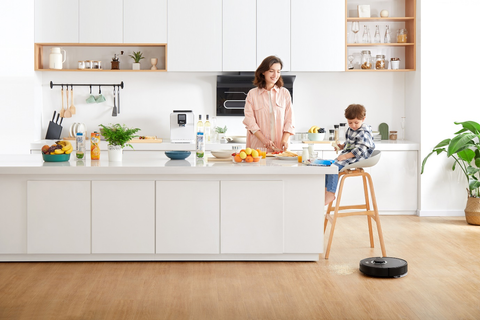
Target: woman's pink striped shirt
(257,115)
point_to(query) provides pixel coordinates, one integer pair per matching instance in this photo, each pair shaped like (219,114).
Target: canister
(395,63)
(366,62)
(81,64)
(380,62)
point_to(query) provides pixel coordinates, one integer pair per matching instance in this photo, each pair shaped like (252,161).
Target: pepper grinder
(116,61)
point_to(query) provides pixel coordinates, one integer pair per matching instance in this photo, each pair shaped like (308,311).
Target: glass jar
(393,135)
(366,62)
(331,134)
(94,64)
(81,64)
(88,64)
(380,62)
(395,63)
(402,36)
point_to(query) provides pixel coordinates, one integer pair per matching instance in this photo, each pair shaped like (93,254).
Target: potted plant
(137,56)
(464,148)
(117,137)
(221,134)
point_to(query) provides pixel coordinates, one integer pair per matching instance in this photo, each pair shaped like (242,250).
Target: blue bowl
(177,155)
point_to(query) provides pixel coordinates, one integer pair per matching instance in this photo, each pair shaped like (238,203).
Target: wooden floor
(443,282)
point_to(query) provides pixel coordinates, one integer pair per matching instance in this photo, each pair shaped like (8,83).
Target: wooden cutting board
(156,140)
(324,141)
(213,159)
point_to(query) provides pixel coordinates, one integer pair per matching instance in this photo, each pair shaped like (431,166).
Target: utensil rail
(120,85)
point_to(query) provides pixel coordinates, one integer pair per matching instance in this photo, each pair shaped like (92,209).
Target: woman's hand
(284,143)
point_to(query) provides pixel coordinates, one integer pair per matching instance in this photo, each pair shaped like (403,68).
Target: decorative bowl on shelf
(316,136)
(56,157)
(177,155)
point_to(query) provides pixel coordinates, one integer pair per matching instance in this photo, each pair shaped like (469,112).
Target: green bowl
(56,157)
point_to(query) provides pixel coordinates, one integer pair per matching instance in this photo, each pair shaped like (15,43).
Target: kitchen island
(149,208)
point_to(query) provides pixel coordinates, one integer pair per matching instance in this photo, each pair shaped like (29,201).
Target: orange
(249,159)
(237,158)
(257,159)
(242,150)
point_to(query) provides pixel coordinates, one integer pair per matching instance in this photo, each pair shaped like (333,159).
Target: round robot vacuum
(384,267)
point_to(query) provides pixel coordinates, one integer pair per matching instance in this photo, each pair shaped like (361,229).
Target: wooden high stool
(356,170)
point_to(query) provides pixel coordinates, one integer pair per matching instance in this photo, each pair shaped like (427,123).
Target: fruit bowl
(177,155)
(253,160)
(316,136)
(55,157)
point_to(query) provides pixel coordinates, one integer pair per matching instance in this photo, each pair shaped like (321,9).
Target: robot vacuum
(384,267)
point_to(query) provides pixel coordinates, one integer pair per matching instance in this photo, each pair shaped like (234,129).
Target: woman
(268,108)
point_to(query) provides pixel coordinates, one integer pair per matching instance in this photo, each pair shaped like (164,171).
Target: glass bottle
(80,146)
(341,132)
(214,133)
(387,38)
(208,131)
(200,145)
(376,37)
(200,124)
(365,34)
(331,134)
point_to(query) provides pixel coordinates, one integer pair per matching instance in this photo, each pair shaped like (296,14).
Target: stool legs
(377,217)
(367,203)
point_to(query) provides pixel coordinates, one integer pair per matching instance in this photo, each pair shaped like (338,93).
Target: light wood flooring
(443,282)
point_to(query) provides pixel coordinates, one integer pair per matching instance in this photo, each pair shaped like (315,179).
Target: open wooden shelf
(406,51)
(102,52)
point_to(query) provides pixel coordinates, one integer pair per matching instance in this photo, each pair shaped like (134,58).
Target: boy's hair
(355,111)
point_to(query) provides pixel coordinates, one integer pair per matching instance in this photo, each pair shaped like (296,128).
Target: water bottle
(80,146)
(305,155)
(200,145)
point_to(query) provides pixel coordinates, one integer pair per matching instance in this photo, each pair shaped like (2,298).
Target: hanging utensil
(67,113)
(114,112)
(118,100)
(62,111)
(72,109)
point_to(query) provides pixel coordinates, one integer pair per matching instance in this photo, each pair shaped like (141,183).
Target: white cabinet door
(145,21)
(395,181)
(239,35)
(252,217)
(123,217)
(56,21)
(13,215)
(188,217)
(195,35)
(58,217)
(318,35)
(273,30)
(101,21)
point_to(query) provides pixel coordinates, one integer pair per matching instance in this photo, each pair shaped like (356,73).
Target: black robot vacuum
(385,267)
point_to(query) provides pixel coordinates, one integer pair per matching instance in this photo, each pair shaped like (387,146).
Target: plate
(285,158)
(221,154)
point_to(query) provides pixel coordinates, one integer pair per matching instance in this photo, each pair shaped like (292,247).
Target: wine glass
(355,29)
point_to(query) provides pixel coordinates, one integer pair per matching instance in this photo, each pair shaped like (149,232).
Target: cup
(263,152)
(299,153)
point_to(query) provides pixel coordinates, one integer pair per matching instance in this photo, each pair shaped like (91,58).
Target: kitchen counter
(150,208)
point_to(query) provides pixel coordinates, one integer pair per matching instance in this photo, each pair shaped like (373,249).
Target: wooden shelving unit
(409,48)
(103,52)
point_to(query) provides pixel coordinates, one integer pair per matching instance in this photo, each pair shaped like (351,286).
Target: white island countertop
(152,163)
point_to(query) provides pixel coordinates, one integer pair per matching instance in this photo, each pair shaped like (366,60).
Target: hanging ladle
(62,111)
(72,109)
(67,113)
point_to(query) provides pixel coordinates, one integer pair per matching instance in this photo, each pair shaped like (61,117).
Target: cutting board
(213,159)
(157,140)
(323,141)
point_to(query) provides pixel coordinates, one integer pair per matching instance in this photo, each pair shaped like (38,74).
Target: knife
(53,118)
(58,115)
(61,120)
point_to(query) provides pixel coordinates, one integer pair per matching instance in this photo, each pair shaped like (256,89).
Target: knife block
(54,131)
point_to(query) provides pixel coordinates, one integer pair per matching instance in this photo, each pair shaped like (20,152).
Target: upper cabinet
(273,30)
(195,35)
(56,21)
(145,21)
(318,35)
(101,21)
(239,35)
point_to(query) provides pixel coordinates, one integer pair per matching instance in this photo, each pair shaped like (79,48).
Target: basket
(472,211)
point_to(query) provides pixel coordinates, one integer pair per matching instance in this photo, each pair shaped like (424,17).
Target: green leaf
(472,170)
(473,184)
(467,155)
(425,160)
(454,165)
(442,144)
(460,142)
(472,126)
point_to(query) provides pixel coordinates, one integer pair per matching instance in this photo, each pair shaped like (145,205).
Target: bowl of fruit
(316,133)
(57,152)
(246,155)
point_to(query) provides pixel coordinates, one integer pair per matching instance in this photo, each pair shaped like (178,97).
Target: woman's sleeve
(250,122)
(289,119)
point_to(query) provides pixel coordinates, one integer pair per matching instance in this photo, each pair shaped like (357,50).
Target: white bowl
(222,153)
(316,136)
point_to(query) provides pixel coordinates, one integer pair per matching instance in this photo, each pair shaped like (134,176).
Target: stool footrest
(354,213)
(357,206)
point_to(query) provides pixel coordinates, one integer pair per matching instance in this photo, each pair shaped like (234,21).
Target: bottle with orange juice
(95,146)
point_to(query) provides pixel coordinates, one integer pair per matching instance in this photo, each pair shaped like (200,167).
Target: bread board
(323,141)
(214,159)
(156,140)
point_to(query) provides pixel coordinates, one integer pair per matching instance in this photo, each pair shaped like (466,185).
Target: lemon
(248,151)
(243,155)
(255,153)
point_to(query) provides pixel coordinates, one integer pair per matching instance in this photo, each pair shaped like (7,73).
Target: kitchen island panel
(252,216)
(188,217)
(58,222)
(13,215)
(123,217)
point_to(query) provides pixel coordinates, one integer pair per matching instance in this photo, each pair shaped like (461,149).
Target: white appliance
(56,58)
(182,126)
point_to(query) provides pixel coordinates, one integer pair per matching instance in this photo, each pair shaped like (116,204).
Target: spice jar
(402,35)
(380,62)
(88,64)
(393,135)
(81,64)
(94,64)
(366,59)
(395,63)
(331,135)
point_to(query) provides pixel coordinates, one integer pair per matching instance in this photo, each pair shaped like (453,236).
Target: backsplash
(148,99)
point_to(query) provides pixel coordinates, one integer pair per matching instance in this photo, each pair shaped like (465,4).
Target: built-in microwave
(232,91)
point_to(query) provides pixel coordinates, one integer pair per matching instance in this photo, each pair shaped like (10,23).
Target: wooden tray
(324,141)
(214,159)
(157,140)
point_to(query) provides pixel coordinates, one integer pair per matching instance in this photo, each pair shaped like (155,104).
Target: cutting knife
(58,115)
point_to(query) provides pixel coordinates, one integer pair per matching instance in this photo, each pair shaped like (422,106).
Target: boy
(358,145)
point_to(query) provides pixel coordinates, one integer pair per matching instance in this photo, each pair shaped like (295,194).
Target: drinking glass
(355,29)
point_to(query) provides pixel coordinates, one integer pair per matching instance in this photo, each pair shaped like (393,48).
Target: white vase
(114,153)
(136,66)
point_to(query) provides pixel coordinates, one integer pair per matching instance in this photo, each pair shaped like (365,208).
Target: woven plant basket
(472,211)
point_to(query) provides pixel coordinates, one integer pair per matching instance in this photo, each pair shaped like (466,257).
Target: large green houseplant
(464,148)
(117,136)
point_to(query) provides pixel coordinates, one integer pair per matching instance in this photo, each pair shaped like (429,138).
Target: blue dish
(177,155)
(323,162)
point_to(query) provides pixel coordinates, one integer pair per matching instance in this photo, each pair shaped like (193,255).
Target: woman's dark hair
(355,111)
(266,64)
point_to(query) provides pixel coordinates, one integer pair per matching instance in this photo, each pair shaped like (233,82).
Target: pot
(114,153)
(472,211)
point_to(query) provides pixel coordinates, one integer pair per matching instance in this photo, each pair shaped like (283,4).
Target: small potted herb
(220,132)
(117,136)
(137,56)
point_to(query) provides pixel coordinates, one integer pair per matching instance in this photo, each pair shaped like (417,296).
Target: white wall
(448,94)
